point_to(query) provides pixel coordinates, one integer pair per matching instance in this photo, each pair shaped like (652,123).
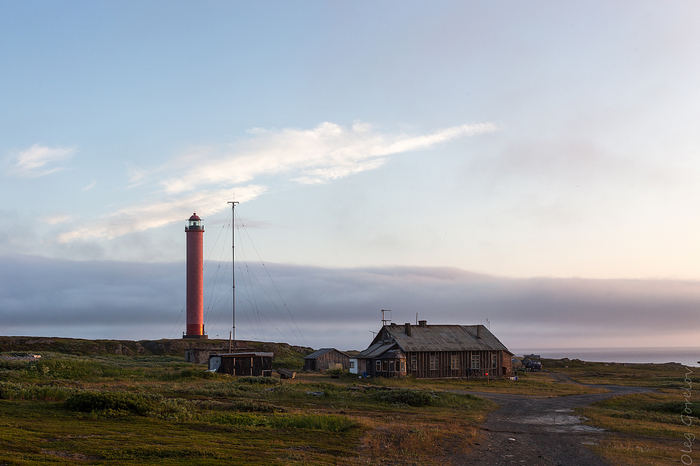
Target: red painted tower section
(195,278)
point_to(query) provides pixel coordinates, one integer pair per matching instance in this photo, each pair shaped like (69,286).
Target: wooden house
(250,363)
(326,358)
(435,351)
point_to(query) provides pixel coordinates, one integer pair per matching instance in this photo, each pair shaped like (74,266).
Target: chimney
(407,326)
(422,323)
(478,331)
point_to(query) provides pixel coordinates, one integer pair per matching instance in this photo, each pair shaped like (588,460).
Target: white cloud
(90,186)
(57,218)
(319,155)
(40,160)
(157,214)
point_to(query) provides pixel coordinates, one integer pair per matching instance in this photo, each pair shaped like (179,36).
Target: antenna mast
(384,319)
(233,271)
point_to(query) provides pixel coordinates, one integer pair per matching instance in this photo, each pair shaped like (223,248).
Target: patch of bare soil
(540,431)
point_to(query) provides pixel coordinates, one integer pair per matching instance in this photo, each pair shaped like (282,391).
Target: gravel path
(537,431)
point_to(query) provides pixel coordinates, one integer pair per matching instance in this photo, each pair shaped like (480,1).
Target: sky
(531,165)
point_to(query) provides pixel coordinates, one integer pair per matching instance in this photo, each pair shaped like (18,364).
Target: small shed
(252,363)
(326,358)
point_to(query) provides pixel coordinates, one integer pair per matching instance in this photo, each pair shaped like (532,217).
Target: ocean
(685,356)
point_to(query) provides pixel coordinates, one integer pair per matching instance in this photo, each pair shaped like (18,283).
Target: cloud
(57,218)
(40,160)
(157,214)
(339,307)
(89,186)
(319,155)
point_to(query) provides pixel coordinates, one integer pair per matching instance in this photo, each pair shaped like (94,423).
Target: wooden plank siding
(419,364)
(329,360)
(436,352)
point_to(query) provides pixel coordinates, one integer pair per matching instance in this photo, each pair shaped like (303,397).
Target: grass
(150,410)
(532,384)
(663,376)
(647,428)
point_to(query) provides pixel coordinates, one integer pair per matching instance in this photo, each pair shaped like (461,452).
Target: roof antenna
(384,319)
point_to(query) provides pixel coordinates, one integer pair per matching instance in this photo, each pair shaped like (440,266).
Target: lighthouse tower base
(195,337)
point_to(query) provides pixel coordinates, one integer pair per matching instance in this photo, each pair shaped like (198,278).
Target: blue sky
(511,141)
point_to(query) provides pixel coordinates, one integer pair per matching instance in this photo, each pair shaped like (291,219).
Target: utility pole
(233,273)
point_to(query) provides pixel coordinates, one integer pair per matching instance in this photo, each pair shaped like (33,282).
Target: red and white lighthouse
(195,278)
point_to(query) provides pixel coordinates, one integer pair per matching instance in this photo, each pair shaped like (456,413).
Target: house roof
(317,354)
(442,338)
(376,349)
(248,354)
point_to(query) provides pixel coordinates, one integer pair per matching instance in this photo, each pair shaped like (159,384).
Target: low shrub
(675,407)
(258,380)
(96,401)
(190,374)
(329,423)
(16,391)
(405,396)
(119,404)
(76,370)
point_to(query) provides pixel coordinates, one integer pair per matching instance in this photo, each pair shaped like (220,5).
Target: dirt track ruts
(537,431)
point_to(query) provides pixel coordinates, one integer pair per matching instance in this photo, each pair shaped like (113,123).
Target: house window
(414,363)
(385,366)
(403,366)
(379,366)
(434,362)
(352,364)
(454,362)
(391,366)
(475,361)
(494,361)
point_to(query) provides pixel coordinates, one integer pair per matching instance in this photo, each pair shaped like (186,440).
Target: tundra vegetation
(68,409)
(649,428)
(94,407)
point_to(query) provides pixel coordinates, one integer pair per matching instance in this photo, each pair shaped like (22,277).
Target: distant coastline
(685,356)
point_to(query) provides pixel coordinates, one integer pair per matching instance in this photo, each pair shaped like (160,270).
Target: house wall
(440,365)
(246,365)
(389,368)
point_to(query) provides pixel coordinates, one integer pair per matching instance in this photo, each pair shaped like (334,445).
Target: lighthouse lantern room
(195,278)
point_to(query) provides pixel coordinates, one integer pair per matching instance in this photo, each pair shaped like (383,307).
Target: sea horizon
(688,356)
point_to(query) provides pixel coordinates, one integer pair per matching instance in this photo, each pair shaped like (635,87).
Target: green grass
(647,427)
(664,376)
(535,384)
(158,410)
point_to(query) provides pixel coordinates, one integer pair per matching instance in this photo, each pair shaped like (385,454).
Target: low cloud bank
(322,307)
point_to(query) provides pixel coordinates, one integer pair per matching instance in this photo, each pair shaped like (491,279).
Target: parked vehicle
(532,366)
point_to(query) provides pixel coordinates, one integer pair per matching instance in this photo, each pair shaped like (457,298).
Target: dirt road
(540,431)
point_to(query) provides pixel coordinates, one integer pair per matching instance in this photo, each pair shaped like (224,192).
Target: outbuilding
(325,359)
(252,363)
